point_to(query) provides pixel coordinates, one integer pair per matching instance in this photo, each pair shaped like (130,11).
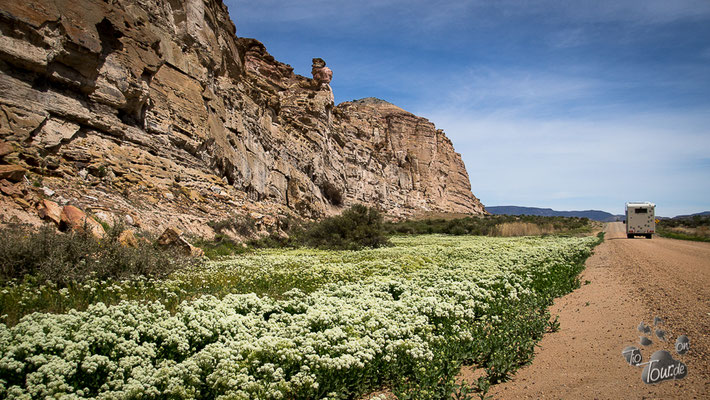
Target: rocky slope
(154,111)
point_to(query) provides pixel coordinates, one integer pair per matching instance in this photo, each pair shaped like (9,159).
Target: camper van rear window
(641,211)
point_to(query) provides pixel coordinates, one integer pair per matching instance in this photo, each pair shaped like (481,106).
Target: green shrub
(489,225)
(695,234)
(62,258)
(357,227)
(694,221)
(273,241)
(244,225)
(221,246)
(696,227)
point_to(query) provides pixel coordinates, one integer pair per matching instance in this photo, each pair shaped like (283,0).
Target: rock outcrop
(321,73)
(172,239)
(154,111)
(49,210)
(400,161)
(76,220)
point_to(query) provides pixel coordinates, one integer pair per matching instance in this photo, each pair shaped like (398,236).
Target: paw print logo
(661,366)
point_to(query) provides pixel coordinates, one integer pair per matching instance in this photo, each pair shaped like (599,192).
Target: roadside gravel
(630,280)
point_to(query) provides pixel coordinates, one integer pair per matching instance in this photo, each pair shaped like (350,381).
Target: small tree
(357,227)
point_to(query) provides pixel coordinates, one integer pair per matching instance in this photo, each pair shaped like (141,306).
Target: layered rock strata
(153,111)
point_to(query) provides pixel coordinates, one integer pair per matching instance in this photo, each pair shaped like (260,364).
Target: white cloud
(582,164)
(486,85)
(555,132)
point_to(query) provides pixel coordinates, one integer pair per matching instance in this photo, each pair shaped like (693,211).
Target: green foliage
(695,221)
(302,323)
(695,228)
(360,226)
(357,227)
(38,181)
(272,241)
(682,236)
(48,255)
(220,247)
(246,227)
(105,225)
(486,225)
(243,225)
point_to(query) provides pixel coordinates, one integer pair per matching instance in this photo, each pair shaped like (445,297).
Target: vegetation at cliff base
(357,227)
(361,227)
(695,228)
(46,255)
(334,310)
(493,225)
(299,323)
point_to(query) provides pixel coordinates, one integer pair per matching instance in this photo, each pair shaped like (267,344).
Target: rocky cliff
(155,112)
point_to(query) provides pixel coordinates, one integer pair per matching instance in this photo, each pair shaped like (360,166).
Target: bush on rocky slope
(62,258)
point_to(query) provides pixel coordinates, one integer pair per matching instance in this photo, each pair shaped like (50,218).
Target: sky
(571,105)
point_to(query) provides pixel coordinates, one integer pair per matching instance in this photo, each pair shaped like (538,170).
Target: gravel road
(629,281)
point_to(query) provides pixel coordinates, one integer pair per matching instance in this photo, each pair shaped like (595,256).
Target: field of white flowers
(298,324)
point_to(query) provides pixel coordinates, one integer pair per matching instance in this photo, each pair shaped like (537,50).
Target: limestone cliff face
(156,110)
(399,160)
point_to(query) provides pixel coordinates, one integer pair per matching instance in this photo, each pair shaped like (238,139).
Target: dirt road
(630,280)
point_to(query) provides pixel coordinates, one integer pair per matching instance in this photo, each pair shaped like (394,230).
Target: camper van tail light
(631,231)
(651,231)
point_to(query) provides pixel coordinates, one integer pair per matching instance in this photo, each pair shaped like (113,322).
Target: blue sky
(563,104)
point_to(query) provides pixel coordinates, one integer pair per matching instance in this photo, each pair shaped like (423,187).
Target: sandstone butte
(155,112)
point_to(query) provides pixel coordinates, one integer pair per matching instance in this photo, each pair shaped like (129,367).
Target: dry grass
(700,231)
(522,229)
(423,215)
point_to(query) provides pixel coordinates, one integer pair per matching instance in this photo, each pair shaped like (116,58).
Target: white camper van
(640,219)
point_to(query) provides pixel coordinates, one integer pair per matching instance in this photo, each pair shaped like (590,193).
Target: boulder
(320,72)
(127,238)
(13,173)
(196,251)
(5,149)
(50,210)
(18,123)
(9,189)
(172,238)
(54,132)
(77,220)
(22,202)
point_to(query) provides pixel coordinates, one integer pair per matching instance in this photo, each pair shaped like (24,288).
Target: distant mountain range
(700,214)
(595,215)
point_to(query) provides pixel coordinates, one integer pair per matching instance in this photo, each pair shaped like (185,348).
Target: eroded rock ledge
(155,112)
